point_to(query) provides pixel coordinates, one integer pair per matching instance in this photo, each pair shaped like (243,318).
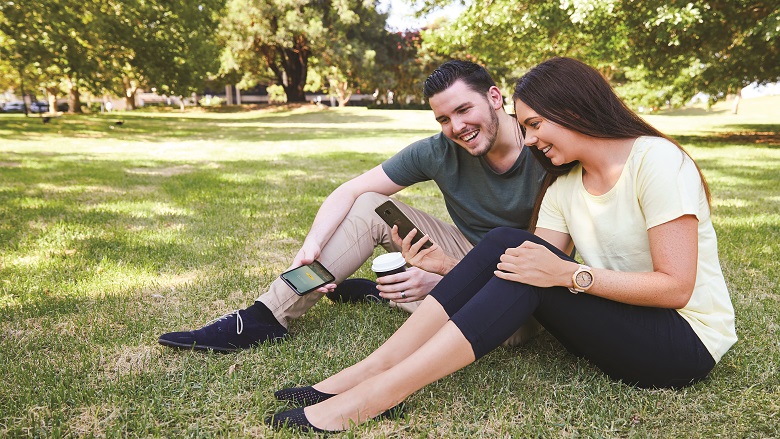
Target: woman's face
(559,144)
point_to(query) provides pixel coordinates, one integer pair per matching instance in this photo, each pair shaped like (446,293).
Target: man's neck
(504,153)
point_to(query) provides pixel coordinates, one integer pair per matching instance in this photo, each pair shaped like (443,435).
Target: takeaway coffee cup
(388,263)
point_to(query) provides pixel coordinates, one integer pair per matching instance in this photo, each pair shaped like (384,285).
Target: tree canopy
(104,46)
(655,52)
(343,41)
(676,48)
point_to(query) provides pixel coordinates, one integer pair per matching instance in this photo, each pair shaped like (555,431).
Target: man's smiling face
(467,117)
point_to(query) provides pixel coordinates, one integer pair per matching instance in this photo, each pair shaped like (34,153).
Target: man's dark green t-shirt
(478,199)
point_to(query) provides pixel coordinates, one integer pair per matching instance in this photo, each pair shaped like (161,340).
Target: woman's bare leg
(418,328)
(444,353)
(426,321)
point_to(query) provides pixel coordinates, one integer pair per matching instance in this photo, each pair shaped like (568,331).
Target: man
(488,179)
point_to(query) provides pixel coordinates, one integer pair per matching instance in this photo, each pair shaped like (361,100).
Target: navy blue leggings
(642,346)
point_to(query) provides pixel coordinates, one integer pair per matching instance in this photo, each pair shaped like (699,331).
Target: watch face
(584,279)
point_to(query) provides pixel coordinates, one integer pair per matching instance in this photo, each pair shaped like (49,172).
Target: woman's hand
(432,259)
(534,264)
(408,286)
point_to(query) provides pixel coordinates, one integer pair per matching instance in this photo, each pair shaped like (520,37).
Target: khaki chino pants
(353,243)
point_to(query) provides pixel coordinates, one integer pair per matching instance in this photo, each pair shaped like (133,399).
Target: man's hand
(306,255)
(432,259)
(414,283)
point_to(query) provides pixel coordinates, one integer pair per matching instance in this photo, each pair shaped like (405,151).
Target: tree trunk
(74,101)
(735,105)
(295,93)
(343,93)
(130,89)
(74,97)
(52,91)
(290,67)
(24,101)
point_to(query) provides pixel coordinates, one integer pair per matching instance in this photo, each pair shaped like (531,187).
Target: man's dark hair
(474,75)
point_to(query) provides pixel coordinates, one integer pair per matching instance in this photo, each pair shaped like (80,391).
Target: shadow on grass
(159,128)
(69,226)
(690,112)
(759,135)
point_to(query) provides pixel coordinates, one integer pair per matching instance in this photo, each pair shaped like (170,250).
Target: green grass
(111,235)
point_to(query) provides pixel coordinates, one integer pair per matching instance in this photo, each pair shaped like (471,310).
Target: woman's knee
(508,236)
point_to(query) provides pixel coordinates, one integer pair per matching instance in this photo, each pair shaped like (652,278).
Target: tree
(411,62)
(715,47)
(359,56)
(49,36)
(282,36)
(672,49)
(101,45)
(168,45)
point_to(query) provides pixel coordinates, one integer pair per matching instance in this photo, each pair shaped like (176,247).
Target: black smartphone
(307,278)
(393,216)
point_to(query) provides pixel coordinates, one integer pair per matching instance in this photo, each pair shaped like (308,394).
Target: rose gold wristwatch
(582,279)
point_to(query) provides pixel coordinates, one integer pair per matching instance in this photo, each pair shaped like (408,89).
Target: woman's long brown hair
(576,96)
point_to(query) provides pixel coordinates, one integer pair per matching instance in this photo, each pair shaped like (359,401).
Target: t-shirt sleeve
(668,185)
(410,165)
(551,214)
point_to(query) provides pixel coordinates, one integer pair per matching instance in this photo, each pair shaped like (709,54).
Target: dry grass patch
(94,420)
(130,360)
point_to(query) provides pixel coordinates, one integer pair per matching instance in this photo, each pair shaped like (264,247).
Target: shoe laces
(239,321)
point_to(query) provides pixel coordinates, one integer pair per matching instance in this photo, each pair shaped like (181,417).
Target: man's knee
(366,203)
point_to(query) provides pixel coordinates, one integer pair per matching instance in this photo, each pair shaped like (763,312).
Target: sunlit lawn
(113,234)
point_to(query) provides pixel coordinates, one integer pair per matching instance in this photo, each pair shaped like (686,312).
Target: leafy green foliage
(670,49)
(109,45)
(168,45)
(346,37)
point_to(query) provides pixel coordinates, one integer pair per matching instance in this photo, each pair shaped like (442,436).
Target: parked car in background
(14,107)
(39,107)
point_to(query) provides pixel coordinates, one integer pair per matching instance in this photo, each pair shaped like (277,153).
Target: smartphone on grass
(307,278)
(393,216)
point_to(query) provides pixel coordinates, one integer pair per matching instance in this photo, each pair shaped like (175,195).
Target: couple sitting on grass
(650,308)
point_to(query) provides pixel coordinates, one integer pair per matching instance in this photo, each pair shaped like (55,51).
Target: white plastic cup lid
(388,262)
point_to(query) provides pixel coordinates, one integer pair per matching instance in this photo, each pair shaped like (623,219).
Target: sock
(261,312)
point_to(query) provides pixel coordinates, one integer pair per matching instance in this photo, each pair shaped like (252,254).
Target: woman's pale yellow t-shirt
(659,183)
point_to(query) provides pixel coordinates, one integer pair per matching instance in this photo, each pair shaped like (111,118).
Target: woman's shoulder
(658,145)
(649,150)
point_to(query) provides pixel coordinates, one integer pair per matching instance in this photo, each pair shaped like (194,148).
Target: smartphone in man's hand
(393,216)
(307,278)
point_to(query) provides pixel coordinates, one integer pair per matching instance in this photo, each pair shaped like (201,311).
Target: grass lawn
(113,234)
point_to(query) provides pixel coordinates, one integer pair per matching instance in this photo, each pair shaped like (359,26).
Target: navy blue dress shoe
(357,290)
(237,330)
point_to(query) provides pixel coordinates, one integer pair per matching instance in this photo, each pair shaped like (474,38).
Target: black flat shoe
(302,396)
(294,418)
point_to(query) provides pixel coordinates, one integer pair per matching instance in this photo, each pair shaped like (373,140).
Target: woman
(650,308)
